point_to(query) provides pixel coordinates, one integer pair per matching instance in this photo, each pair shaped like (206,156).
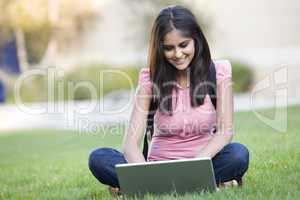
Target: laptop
(166,177)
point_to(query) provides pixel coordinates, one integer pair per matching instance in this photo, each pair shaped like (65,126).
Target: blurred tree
(42,26)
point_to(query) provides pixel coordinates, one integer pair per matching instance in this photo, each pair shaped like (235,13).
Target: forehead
(174,37)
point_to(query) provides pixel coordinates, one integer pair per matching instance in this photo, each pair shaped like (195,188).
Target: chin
(181,67)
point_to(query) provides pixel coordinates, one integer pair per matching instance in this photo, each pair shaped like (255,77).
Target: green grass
(46,164)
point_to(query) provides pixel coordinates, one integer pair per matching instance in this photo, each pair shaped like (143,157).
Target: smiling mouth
(180,61)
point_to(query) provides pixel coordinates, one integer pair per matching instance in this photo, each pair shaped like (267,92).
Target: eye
(183,45)
(167,48)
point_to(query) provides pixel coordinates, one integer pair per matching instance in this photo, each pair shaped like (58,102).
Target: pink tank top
(188,130)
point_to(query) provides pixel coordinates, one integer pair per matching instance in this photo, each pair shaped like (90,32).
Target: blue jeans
(230,163)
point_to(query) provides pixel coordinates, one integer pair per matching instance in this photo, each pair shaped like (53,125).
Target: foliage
(110,82)
(36,88)
(242,76)
(42,19)
(37,42)
(30,15)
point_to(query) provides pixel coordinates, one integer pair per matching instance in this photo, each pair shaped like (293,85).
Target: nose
(178,53)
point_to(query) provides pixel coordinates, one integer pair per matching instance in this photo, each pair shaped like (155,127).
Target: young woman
(186,124)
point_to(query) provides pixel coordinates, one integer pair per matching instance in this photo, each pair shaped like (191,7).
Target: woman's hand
(136,128)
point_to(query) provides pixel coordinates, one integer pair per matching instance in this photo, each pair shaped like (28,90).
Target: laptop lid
(166,177)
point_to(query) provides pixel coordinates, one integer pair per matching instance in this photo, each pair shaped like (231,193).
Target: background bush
(111,81)
(242,76)
(36,88)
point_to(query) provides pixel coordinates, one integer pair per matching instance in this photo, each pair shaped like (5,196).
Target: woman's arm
(136,128)
(225,112)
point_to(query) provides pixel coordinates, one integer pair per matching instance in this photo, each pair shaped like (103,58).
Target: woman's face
(178,50)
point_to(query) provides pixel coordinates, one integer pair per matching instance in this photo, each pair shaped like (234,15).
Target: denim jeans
(229,163)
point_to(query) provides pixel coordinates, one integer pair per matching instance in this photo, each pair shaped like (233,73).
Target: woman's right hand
(136,128)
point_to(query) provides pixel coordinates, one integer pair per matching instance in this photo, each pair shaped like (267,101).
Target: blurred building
(264,34)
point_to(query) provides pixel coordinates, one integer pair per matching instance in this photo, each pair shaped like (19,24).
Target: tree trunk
(48,59)
(7,79)
(51,51)
(21,49)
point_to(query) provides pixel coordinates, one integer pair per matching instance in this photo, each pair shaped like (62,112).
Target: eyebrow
(169,45)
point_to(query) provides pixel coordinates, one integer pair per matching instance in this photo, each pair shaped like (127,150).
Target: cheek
(190,51)
(168,55)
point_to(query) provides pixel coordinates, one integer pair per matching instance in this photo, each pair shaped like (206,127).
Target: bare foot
(115,192)
(228,184)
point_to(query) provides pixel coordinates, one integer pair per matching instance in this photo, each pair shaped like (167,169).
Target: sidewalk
(74,115)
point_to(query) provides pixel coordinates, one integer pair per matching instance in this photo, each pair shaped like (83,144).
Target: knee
(97,158)
(239,155)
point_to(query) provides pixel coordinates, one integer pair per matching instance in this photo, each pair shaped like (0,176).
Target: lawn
(52,164)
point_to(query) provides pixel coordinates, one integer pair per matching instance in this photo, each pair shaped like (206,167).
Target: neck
(184,78)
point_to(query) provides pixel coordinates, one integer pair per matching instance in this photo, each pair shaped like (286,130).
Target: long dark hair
(161,71)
